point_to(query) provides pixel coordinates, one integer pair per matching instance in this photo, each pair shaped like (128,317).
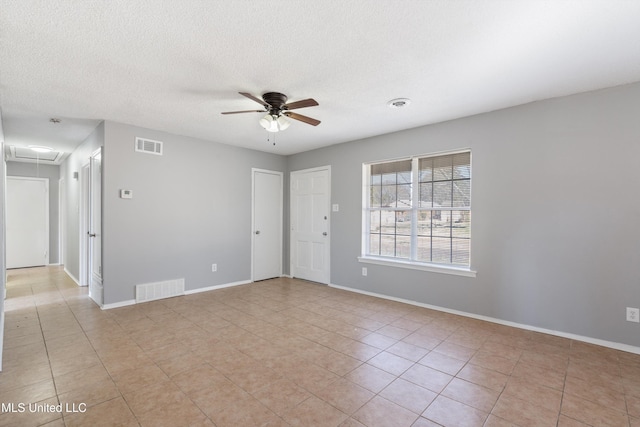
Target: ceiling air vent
(150,146)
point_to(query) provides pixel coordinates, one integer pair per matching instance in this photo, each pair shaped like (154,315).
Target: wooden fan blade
(301,104)
(245,111)
(258,100)
(302,118)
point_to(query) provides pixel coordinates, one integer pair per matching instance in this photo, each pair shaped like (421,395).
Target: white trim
(589,340)
(254,171)
(434,268)
(83,223)
(118,304)
(214,287)
(71,276)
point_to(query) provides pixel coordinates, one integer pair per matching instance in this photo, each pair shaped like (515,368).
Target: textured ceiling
(176,65)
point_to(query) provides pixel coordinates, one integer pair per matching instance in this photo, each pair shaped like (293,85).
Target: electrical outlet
(214,268)
(364,271)
(633,314)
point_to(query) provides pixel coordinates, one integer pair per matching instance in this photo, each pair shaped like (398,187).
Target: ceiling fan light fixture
(273,123)
(283,123)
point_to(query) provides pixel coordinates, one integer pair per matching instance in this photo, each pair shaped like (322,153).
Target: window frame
(412,261)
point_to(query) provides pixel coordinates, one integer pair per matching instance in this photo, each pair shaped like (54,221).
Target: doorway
(310,224)
(27,222)
(266,239)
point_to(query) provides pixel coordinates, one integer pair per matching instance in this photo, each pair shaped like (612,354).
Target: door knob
(257,231)
(324,234)
(91,234)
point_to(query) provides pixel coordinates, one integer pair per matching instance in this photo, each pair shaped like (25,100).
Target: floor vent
(159,290)
(150,146)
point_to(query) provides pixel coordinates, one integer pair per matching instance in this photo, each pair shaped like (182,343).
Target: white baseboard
(213,288)
(118,304)
(596,341)
(72,276)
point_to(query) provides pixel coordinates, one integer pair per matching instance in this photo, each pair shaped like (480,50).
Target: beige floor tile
(91,394)
(484,377)
(345,395)
(391,363)
(281,396)
(471,394)
(454,350)
(314,412)
(30,393)
(493,362)
(408,395)
(286,352)
(34,413)
(592,413)
(428,378)
(595,393)
(80,378)
(177,413)
(564,421)
(408,351)
(536,394)
(380,412)
(370,377)
(110,413)
(522,412)
(442,362)
(338,363)
(134,379)
(539,375)
(448,412)
(153,397)
(493,421)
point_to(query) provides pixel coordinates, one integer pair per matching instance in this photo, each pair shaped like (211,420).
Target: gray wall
(74,163)
(53,173)
(555,214)
(191,207)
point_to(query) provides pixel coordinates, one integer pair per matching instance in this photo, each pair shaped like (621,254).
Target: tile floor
(286,352)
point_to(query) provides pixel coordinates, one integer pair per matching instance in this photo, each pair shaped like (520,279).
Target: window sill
(434,268)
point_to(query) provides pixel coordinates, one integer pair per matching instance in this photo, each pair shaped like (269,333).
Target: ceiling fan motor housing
(276,100)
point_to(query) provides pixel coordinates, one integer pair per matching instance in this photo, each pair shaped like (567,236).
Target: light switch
(335,208)
(126,194)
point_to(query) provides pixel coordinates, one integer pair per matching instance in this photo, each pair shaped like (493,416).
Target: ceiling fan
(275,105)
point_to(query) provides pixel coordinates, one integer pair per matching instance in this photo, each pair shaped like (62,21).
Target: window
(418,210)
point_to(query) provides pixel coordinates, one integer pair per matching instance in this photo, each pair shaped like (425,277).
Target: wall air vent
(150,146)
(159,290)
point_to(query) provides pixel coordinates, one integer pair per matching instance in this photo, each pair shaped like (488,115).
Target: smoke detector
(399,102)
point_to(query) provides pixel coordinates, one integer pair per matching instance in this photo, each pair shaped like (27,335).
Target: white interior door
(94,234)
(267,224)
(27,222)
(310,224)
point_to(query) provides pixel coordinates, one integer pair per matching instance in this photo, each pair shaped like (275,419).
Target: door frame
(255,171)
(291,206)
(46,183)
(84,223)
